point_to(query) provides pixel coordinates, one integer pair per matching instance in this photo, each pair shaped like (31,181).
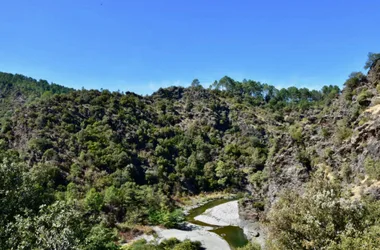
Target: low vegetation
(324,217)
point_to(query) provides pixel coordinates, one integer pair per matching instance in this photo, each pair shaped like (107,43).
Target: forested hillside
(80,168)
(17,90)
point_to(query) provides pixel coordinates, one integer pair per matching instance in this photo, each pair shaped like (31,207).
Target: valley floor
(209,240)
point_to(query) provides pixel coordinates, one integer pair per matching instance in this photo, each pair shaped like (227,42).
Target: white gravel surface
(209,240)
(222,215)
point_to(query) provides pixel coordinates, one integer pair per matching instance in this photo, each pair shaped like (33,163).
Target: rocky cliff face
(342,138)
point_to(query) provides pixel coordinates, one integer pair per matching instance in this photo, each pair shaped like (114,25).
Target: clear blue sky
(142,45)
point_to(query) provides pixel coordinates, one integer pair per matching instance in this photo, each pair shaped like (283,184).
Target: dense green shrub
(342,131)
(250,246)
(258,179)
(324,217)
(372,168)
(58,226)
(166,218)
(372,58)
(363,97)
(348,94)
(295,132)
(354,79)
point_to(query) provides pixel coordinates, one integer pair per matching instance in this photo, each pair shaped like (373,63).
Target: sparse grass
(363,121)
(372,168)
(342,131)
(295,132)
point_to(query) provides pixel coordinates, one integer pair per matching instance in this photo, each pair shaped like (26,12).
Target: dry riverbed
(226,214)
(209,240)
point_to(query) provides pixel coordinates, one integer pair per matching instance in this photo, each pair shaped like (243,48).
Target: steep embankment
(343,138)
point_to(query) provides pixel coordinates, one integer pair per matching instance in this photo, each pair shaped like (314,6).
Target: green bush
(295,132)
(348,95)
(318,219)
(363,120)
(372,58)
(325,132)
(363,97)
(372,168)
(250,246)
(353,80)
(166,218)
(346,172)
(342,131)
(100,238)
(260,205)
(304,158)
(94,200)
(258,178)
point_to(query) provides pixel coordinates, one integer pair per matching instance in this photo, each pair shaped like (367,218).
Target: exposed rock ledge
(222,215)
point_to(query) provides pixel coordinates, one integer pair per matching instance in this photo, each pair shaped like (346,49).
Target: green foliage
(94,200)
(363,97)
(372,58)
(363,120)
(55,226)
(342,132)
(226,175)
(166,218)
(325,132)
(322,218)
(169,244)
(58,226)
(304,158)
(258,179)
(100,238)
(354,79)
(257,92)
(195,83)
(259,205)
(348,94)
(40,145)
(366,240)
(346,172)
(372,168)
(22,191)
(295,132)
(17,90)
(250,246)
